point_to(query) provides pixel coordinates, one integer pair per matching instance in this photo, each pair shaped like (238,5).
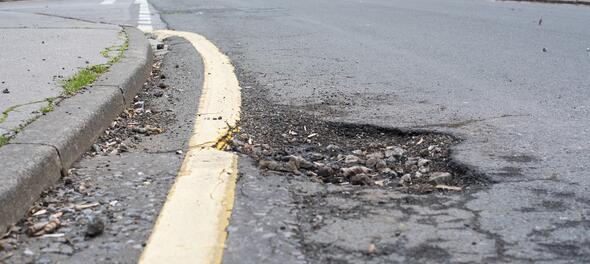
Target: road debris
(441,177)
(57,235)
(40,212)
(42,228)
(348,172)
(447,187)
(94,227)
(80,207)
(362,156)
(415,163)
(372,248)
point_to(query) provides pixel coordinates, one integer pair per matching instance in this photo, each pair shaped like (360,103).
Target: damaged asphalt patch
(282,139)
(315,191)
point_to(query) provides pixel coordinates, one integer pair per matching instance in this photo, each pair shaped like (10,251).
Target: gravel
(358,155)
(271,134)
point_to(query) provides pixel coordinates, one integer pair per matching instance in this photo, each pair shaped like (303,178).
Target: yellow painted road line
(191,225)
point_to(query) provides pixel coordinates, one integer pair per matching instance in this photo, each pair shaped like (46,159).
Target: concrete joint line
(122,93)
(72,18)
(203,192)
(63,172)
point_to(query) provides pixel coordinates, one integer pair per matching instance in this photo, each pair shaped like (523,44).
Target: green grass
(5,112)
(89,74)
(4,140)
(49,107)
(120,50)
(105,53)
(83,78)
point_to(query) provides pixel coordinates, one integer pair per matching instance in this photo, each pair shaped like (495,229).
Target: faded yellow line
(191,225)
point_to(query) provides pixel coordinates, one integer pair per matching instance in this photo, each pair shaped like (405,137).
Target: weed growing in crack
(83,78)
(4,115)
(49,107)
(4,140)
(89,74)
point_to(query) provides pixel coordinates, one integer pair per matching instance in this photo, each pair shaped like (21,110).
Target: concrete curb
(40,154)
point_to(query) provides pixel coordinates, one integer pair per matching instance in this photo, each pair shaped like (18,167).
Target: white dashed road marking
(144,21)
(108,2)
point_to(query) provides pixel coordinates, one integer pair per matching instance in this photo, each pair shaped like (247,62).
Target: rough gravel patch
(352,188)
(285,139)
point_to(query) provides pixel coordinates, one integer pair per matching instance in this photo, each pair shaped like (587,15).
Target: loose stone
(405,180)
(441,177)
(94,227)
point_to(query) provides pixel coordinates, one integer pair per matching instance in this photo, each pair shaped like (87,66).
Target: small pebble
(441,177)
(28,252)
(405,180)
(96,148)
(351,159)
(94,227)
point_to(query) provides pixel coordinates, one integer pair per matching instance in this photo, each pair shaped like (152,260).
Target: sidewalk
(48,118)
(38,54)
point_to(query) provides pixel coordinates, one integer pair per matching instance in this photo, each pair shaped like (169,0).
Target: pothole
(286,140)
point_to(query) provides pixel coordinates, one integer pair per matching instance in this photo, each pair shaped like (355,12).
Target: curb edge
(44,151)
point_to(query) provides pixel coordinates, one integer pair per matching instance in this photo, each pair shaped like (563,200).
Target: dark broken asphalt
(476,69)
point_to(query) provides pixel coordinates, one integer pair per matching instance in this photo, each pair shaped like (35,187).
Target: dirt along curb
(44,151)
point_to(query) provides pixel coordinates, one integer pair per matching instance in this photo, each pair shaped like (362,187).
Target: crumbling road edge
(45,150)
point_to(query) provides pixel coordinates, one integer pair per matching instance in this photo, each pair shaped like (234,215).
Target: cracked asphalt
(515,90)
(509,79)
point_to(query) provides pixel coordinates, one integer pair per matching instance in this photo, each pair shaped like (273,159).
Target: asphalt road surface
(510,79)
(515,89)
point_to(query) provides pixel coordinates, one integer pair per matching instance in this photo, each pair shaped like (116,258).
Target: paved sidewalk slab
(39,52)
